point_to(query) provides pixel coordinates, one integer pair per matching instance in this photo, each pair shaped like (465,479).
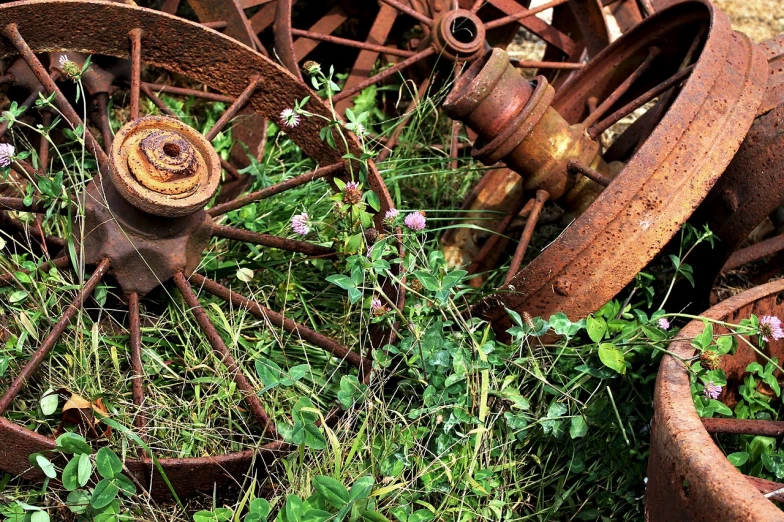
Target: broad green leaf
(333,491)
(46,466)
(49,401)
(361,488)
(39,516)
(612,357)
(428,280)
(342,281)
(738,458)
(103,494)
(596,328)
(85,469)
(73,443)
(578,428)
(421,515)
(108,463)
(70,477)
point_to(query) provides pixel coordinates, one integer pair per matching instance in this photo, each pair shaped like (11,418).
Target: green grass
(455,424)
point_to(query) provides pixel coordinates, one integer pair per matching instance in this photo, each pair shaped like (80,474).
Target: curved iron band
(661,185)
(689,478)
(98,27)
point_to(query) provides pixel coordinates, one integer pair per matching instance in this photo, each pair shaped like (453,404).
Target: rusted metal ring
(662,182)
(164,167)
(177,46)
(492,152)
(689,478)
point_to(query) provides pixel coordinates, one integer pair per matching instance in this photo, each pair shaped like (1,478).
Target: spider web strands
(215,340)
(523,14)
(612,119)
(386,73)
(50,341)
(400,126)
(283,186)
(11,31)
(279,321)
(539,200)
(58,262)
(235,107)
(268,240)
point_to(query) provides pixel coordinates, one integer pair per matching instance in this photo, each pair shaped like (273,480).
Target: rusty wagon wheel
(630,199)
(689,477)
(140,221)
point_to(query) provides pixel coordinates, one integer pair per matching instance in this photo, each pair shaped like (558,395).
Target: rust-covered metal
(689,478)
(709,81)
(144,220)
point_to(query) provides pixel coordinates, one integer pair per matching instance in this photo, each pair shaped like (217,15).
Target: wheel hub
(458,34)
(160,168)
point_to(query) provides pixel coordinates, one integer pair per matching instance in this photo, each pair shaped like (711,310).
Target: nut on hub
(163,167)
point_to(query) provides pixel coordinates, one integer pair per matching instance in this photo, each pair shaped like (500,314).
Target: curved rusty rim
(683,452)
(661,184)
(103,29)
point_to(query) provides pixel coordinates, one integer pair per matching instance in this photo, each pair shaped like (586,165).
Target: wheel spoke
(235,107)
(157,101)
(58,262)
(102,101)
(754,252)
(181,91)
(263,18)
(768,428)
(327,24)
(539,27)
(410,12)
(771,490)
(283,186)
(386,73)
(11,31)
(525,13)
(135,37)
(215,340)
(136,362)
(313,337)
(51,339)
(375,49)
(577,167)
(477,5)
(36,207)
(597,129)
(366,59)
(622,89)
(536,64)
(492,241)
(43,144)
(8,221)
(541,198)
(268,240)
(170,6)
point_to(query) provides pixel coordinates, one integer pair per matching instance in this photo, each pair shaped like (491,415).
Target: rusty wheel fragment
(706,83)
(689,478)
(143,211)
